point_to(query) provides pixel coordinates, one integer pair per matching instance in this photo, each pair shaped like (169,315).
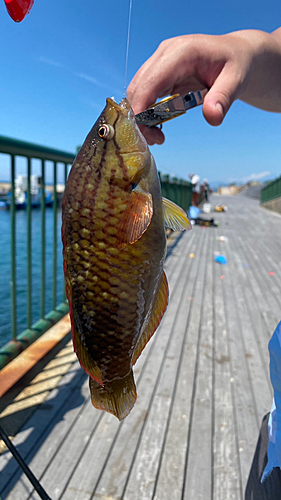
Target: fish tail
(117,397)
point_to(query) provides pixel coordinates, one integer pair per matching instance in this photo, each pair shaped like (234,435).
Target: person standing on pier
(195,181)
(243,65)
(206,188)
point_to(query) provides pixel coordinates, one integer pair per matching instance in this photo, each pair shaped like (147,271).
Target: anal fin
(159,307)
(117,397)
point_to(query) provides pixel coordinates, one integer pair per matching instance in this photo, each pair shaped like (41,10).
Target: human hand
(241,65)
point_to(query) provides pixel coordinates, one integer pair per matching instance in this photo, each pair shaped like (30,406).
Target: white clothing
(195,181)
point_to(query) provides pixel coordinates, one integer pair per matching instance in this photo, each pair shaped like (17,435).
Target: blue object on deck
(193,212)
(221,259)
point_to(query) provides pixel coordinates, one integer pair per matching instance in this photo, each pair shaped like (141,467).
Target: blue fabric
(193,212)
(274,423)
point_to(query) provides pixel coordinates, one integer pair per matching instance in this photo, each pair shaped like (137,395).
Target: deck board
(198,480)
(203,383)
(126,447)
(149,452)
(226,473)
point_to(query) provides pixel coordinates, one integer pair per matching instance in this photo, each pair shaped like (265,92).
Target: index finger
(156,78)
(142,91)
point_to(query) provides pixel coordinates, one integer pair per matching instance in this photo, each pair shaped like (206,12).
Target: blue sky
(59,65)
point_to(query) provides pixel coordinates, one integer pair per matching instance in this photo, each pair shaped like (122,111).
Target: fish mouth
(124,107)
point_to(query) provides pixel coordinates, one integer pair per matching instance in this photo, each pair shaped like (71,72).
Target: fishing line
(34,481)
(128,43)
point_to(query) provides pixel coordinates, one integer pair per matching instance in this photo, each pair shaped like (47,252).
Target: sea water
(21,268)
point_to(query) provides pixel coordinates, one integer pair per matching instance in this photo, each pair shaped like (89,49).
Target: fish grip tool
(23,465)
(170,107)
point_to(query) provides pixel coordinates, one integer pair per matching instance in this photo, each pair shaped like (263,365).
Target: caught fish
(114,246)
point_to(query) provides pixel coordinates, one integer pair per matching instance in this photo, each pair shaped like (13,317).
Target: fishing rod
(34,481)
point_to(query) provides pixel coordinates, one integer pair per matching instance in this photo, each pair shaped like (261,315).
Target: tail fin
(117,397)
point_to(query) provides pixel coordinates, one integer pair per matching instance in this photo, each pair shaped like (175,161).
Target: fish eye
(106,132)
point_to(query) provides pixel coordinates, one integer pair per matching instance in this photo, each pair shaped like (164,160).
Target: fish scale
(114,248)
(120,288)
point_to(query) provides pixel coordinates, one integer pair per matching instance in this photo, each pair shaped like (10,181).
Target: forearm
(263,82)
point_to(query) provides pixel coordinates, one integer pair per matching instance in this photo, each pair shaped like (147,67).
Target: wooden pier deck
(203,383)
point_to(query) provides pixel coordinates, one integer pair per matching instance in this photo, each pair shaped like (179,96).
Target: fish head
(116,137)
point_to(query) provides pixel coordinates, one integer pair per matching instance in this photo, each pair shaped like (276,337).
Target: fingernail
(220,108)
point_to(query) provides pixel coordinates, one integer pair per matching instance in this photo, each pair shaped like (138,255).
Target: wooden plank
(67,395)
(113,479)
(252,225)
(145,467)
(17,368)
(267,314)
(133,424)
(258,326)
(226,480)
(171,470)
(261,266)
(244,246)
(58,455)
(61,451)
(268,225)
(17,406)
(244,404)
(80,461)
(252,389)
(198,481)
(254,338)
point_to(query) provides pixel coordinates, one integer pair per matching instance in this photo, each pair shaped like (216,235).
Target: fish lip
(124,107)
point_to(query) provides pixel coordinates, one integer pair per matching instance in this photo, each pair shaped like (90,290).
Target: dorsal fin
(158,308)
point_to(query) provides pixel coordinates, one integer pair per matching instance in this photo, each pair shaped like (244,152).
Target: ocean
(21,268)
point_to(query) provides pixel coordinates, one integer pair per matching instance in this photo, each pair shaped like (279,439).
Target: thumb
(221,96)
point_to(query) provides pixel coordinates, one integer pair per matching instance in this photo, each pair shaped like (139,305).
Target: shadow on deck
(203,383)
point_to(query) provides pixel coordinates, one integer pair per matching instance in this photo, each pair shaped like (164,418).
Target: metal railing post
(55,238)
(29,247)
(43,241)
(13,252)
(65,181)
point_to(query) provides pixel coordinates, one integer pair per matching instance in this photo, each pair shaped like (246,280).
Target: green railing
(271,190)
(41,247)
(48,159)
(177,190)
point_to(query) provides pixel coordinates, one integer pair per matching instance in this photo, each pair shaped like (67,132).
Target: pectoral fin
(136,218)
(174,216)
(158,308)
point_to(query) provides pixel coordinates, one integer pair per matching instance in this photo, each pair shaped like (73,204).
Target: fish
(114,247)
